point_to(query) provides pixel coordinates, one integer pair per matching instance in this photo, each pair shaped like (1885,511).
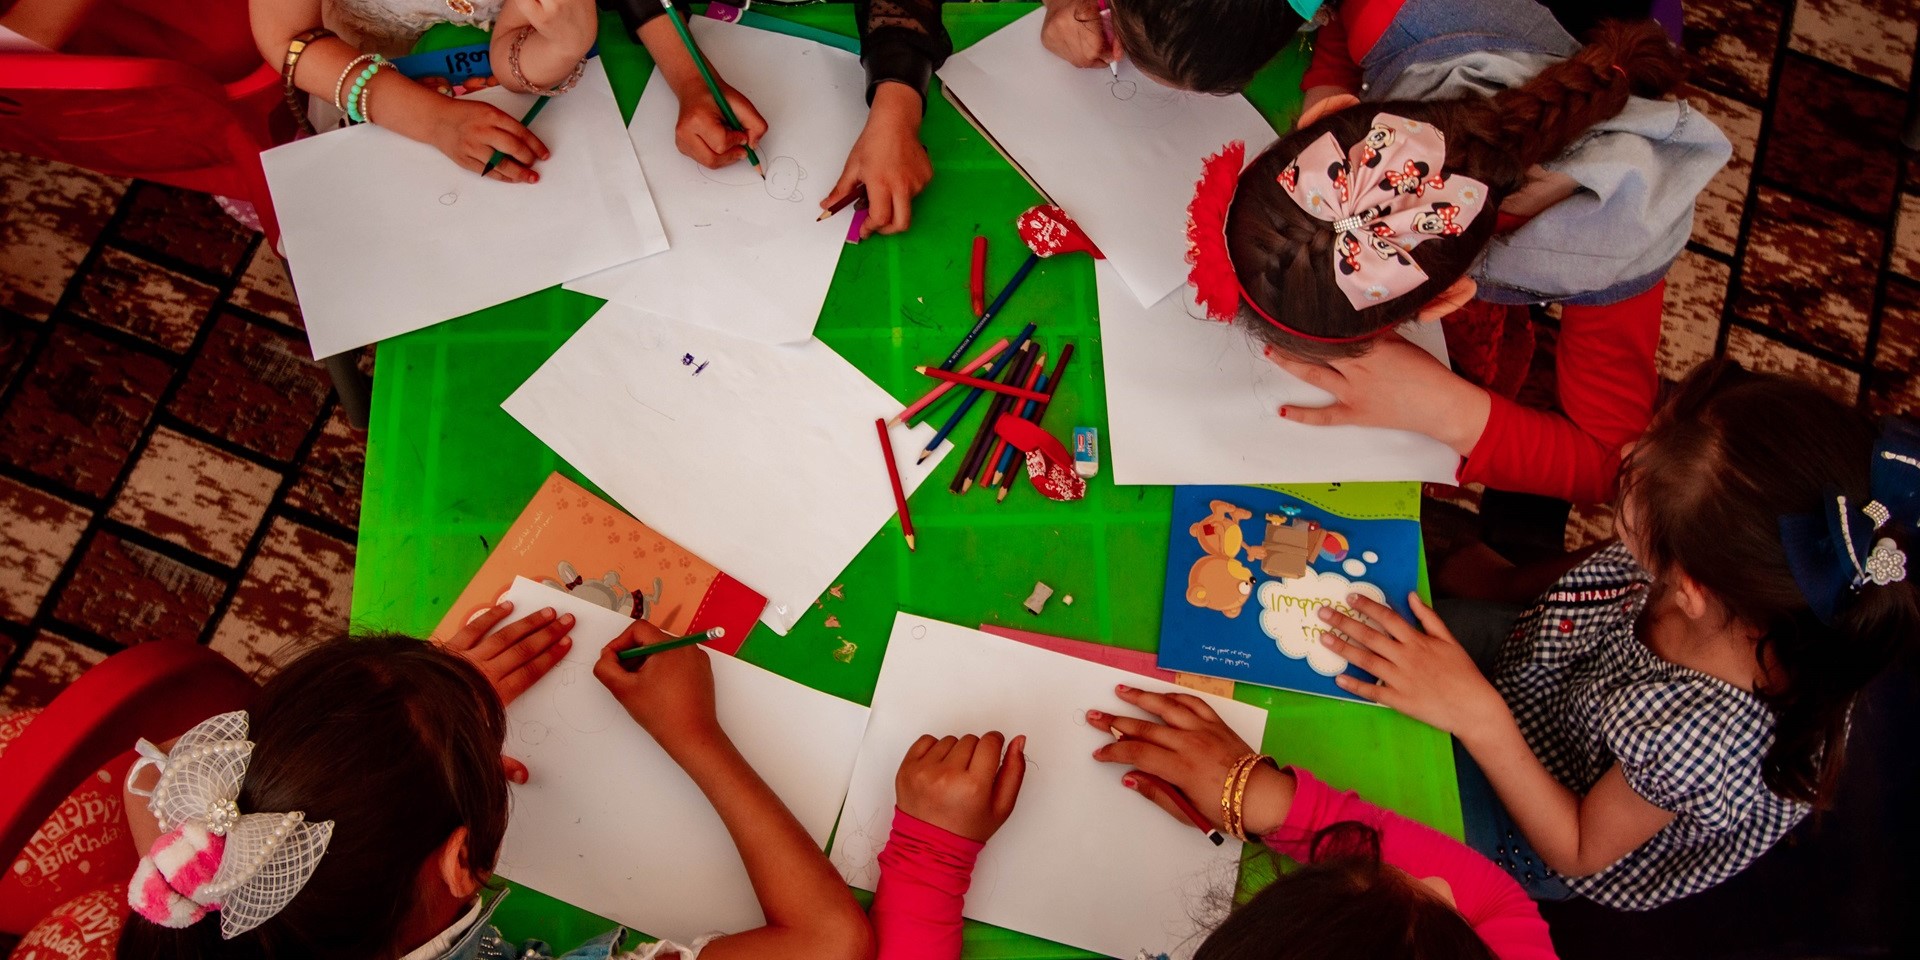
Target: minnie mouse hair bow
(1384,196)
(247,866)
(1833,553)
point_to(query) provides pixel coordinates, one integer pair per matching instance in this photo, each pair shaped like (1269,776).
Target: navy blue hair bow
(1833,553)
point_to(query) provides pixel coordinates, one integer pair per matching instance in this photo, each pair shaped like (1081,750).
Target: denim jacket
(1639,171)
(472,938)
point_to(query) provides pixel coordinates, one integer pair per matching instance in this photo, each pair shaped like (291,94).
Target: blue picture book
(1249,568)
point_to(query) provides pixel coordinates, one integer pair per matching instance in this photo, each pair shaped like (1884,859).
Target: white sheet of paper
(385,235)
(608,822)
(1082,861)
(1193,401)
(759,457)
(748,256)
(1123,168)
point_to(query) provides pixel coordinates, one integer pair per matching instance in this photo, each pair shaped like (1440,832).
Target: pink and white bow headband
(248,866)
(1384,196)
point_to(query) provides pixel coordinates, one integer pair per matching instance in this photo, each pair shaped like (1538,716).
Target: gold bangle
(1229,809)
(340,85)
(288,66)
(1240,796)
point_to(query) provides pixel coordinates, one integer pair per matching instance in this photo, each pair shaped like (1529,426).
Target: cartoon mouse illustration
(1218,580)
(783,179)
(606,591)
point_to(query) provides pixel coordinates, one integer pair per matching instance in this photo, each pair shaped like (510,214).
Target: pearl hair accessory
(247,866)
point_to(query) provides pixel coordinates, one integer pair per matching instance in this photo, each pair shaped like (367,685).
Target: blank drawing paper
(758,457)
(1083,860)
(385,235)
(1194,401)
(608,822)
(748,255)
(1120,155)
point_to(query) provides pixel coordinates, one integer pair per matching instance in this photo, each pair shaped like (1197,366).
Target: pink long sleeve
(924,872)
(1491,901)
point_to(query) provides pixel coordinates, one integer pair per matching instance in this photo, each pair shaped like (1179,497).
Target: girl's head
(1346,904)
(1283,261)
(1703,498)
(1209,46)
(398,743)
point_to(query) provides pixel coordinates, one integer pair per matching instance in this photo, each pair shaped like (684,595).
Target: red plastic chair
(156,690)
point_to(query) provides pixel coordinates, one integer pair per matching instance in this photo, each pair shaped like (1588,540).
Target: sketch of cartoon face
(783,179)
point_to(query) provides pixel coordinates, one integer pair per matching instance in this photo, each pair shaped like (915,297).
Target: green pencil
(539,104)
(713,87)
(632,654)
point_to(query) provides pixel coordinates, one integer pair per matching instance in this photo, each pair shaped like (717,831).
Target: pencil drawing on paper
(1122,89)
(783,180)
(857,847)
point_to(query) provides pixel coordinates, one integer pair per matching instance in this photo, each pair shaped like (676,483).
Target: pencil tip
(966,485)
(910,543)
(1003,495)
(923,456)
(823,216)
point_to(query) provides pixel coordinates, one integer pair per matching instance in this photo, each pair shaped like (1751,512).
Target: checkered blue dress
(1588,694)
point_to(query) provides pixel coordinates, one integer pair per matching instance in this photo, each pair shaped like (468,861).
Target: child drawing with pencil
(1374,884)
(1675,703)
(358,809)
(1207,46)
(1506,170)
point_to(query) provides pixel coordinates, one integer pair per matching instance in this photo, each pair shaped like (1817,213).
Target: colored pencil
(1010,390)
(1191,812)
(632,654)
(539,104)
(893,475)
(1019,275)
(1003,452)
(937,392)
(973,396)
(713,86)
(859,194)
(1106,34)
(977,450)
(977,286)
(1054,382)
(997,445)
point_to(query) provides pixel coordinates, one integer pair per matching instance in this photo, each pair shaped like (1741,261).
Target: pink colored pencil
(976,363)
(977,383)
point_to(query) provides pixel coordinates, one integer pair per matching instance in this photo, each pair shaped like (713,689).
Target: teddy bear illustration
(1218,580)
(1291,543)
(606,591)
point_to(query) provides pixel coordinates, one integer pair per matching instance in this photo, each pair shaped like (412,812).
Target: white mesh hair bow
(247,866)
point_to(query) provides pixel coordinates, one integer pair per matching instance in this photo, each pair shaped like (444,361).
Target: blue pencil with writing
(1005,462)
(973,395)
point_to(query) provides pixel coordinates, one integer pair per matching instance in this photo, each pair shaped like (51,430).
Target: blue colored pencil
(973,395)
(1006,455)
(1019,275)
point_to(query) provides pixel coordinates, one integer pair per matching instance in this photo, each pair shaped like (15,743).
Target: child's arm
(467,131)
(1429,677)
(901,44)
(953,794)
(562,31)
(1332,70)
(1073,32)
(810,915)
(701,132)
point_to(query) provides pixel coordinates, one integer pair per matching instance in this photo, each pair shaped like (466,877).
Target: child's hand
(669,694)
(1426,675)
(1190,748)
(889,160)
(468,131)
(567,24)
(702,133)
(1395,385)
(1073,32)
(517,655)
(962,784)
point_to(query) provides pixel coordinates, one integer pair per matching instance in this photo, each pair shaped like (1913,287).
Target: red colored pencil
(1015,372)
(1186,806)
(979,285)
(893,474)
(937,392)
(990,468)
(1039,412)
(967,381)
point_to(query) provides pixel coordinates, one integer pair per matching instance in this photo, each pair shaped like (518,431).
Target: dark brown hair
(397,742)
(1284,255)
(1209,46)
(1345,905)
(1727,456)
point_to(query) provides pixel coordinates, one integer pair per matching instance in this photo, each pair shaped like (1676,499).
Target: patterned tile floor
(172,466)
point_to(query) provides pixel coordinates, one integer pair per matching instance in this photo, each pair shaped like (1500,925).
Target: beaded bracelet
(513,65)
(340,85)
(366,93)
(360,84)
(294,50)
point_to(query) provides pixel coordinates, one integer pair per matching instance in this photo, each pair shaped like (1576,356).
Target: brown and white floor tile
(159,305)
(1873,38)
(266,288)
(1835,137)
(185,225)
(53,215)
(207,500)
(1696,300)
(128,594)
(1716,215)
(1906,238)
(1757,351)
(329,481)
(255,386)
(38,532)
(1810,273)
(297,590)
(77,415)
(48,665)
(1896,359)
(1733,43)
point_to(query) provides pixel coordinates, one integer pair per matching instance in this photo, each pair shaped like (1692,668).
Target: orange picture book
(572,540)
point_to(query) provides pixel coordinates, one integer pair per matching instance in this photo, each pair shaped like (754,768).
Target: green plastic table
(447,471)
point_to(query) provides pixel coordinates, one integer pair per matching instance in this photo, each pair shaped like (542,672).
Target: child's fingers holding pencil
(1156,790)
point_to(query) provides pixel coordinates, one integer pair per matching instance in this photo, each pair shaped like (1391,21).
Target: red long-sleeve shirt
(1341,42)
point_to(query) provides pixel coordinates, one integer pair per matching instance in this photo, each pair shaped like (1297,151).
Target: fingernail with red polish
(1130,783)
(1123,688)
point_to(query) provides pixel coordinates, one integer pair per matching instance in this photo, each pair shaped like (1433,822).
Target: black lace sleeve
(903,41)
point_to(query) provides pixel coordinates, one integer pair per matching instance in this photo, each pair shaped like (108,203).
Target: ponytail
(1283,255)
